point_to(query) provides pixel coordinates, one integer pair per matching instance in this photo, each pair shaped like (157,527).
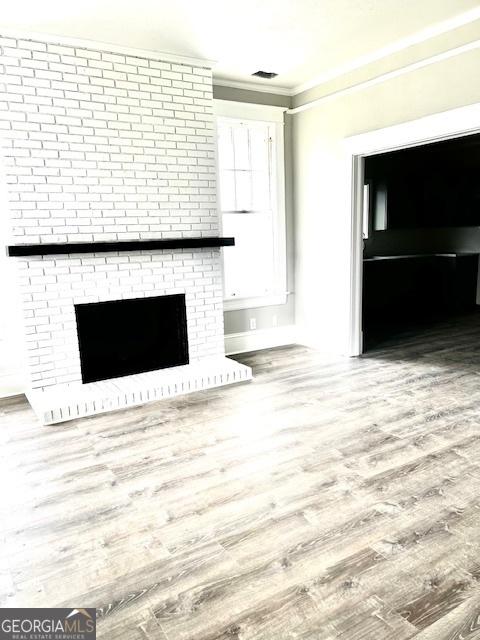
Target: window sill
(236,304)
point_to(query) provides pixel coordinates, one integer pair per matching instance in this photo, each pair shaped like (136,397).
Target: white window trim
(272,115)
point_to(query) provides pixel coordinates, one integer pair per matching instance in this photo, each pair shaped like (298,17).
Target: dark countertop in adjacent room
(421,255)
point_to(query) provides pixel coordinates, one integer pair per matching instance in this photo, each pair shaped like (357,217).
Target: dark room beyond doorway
(421,237)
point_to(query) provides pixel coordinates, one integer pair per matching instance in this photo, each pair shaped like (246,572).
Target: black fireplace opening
(124,337)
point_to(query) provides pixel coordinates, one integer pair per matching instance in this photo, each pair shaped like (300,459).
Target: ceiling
(302,40)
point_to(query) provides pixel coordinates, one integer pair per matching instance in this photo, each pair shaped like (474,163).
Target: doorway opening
(450,128)
(421,238)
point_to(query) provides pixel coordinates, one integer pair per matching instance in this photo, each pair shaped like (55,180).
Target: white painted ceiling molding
(253,86)
(388,76)
(81,43)
(419,37)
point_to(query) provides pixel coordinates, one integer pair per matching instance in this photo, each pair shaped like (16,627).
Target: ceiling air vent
(268,75)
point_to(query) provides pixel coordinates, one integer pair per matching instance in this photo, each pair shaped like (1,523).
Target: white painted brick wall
(100,146)
(127,139)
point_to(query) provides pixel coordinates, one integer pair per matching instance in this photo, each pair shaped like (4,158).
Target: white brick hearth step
(69,401)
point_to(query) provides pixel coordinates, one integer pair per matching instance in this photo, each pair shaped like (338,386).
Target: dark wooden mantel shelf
(20,250)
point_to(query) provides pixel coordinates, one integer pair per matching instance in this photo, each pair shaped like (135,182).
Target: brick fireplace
(104,147)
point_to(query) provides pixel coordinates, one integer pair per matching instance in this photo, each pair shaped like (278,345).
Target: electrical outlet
(253,323)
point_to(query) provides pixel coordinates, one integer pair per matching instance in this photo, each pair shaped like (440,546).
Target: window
(251,203)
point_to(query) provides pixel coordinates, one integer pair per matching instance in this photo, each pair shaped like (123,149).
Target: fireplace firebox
(123,337)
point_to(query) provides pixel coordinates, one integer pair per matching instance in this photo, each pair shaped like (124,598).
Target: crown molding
(252,86)
(419,37)
(107,47)
(451,53)
(424,35)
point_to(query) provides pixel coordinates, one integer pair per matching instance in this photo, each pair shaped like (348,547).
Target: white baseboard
(260,339)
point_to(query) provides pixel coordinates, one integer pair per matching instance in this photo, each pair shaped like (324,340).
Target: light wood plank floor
(325,500)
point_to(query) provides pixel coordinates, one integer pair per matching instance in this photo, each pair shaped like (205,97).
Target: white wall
(103,146)
(322,247)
